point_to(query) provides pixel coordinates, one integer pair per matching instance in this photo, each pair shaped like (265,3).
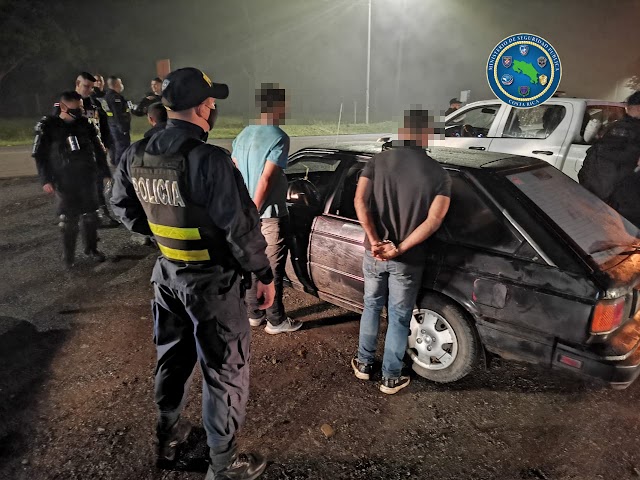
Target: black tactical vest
(183,229)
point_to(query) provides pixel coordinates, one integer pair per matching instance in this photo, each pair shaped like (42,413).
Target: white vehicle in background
(559,131)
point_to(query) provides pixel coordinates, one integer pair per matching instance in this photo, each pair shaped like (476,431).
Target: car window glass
(475,122)
(536,122)
(596,118)
(319,171)
(471,221)
(597,229)
(312,165)
(345,204)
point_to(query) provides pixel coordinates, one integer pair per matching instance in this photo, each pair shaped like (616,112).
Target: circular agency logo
(524,70)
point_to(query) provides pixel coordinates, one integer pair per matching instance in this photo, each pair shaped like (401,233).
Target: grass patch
(19,131)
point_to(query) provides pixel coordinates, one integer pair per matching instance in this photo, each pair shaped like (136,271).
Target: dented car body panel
(528,288)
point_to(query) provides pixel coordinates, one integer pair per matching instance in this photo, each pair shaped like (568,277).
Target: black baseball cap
(454,100)
(188,87)
(634,99)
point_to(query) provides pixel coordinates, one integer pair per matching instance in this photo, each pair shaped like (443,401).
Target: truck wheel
(443,344)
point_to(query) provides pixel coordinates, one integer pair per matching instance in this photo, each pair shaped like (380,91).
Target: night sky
(423,51)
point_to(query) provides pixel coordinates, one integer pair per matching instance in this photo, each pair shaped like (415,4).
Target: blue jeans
(396,285)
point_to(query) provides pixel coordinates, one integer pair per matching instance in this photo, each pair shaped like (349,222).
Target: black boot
(232,465)
(168,442)
(105,219)
(69,228)
(90,237)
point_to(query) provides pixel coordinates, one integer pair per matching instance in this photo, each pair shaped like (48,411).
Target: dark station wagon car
(527,265)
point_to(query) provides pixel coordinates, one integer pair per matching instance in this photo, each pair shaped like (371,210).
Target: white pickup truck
(558,131)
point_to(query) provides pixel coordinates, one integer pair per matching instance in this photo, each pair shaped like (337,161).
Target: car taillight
(607,315)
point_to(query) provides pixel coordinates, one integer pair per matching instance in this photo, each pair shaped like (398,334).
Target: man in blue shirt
(260,152)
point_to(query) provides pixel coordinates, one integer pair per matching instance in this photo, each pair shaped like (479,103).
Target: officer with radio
(69,157)
(189,195)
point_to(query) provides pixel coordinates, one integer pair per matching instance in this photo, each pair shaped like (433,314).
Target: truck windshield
(597,229)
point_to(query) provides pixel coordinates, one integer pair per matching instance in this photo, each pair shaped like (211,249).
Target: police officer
(612,159)
(95,114)
(454,104)
(119,116)
(191,197)
(153,96)
(69,156)
(98,88)
(157,118)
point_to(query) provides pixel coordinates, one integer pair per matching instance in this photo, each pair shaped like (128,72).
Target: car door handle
(542,152)
(477,148)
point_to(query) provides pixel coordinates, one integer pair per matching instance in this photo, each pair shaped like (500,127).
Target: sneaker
(256,322)
(245,466)
(168,443)
(95,255)
(287,326)
(394,385)
(361,370)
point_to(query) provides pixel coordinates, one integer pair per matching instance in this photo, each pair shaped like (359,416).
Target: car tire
(450,322)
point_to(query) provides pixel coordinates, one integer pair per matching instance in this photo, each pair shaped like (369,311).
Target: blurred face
(116,85)
(156,87)
(99,82)
(84,87)
(456,106)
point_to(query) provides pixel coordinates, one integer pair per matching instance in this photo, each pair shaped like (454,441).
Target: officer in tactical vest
(95,114)
(69,157)
(612,160)
(189,195)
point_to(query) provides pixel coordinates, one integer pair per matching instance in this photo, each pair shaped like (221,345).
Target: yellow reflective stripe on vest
(185,255)
(175,233)
(109,114)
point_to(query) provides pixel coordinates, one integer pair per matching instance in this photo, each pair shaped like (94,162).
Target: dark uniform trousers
(121,141)
(212,330)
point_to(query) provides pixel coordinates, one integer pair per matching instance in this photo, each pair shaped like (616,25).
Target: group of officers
(191,197)
(220,224)
(88,129)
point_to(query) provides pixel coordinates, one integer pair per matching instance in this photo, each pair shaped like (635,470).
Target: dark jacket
(143,105)
(96,115)
(117,110)
(56,162)
(612,159)
(212,182)
(153,130)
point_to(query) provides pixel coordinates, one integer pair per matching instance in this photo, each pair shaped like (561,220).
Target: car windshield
(596,228)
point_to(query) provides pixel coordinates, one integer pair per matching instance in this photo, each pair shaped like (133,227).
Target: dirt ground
(76,365)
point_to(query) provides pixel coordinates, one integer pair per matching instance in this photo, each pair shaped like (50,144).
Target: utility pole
(368,65)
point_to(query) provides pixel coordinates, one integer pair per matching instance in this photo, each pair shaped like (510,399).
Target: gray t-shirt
(405,182)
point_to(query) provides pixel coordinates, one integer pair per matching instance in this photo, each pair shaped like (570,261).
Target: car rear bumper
(618,374)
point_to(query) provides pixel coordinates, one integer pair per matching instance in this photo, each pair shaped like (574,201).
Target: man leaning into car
(401,200)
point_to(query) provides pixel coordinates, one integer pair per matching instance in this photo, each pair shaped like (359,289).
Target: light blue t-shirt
(252,149)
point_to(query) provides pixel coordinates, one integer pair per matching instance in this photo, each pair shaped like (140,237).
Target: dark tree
(29,32)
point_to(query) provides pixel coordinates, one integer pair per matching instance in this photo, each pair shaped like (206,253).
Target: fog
(422,51)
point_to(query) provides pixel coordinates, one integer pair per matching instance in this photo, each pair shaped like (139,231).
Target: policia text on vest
(158,191)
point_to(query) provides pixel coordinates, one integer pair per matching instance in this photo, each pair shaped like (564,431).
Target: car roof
(469,159)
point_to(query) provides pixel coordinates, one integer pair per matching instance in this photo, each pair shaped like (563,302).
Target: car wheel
(443,345)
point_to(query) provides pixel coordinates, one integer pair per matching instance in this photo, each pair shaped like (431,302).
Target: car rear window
(597,229)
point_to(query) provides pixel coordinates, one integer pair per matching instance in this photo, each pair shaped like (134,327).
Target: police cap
(188,87)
